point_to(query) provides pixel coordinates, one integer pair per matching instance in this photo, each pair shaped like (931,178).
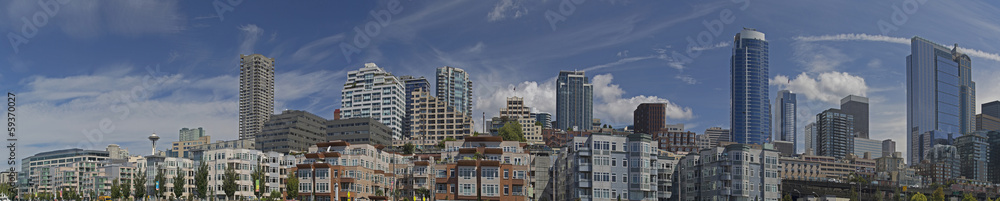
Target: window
(466,189)
(506,189)
(491,189)
(489,173)
(519,174)
(506,172)
(624,162)
(467,173)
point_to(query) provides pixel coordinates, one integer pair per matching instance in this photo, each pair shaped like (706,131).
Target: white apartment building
(373,92)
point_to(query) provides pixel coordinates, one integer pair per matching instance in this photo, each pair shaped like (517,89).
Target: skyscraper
(834,132)
(992,109)
(373,92)
(411,84)
(888,147)
(810,134)
(455,88)
(256,93)
(857,106)
(940,96)
(784,118)
(749,90)
(574,101)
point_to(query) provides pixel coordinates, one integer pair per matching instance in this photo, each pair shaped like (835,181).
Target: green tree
(989,199)
(116,192)
(292,186)
(229,181)
(126,188)
(511,131)
(179,181)
(918,197)
(139,182)
(968,197)
(408,148)
(938,194)
(275,195)
(201,180)
(538,123)
(258,180)
(7,189)
(787,197)
(160,181)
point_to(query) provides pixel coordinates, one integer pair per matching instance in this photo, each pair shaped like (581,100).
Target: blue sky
(102,72)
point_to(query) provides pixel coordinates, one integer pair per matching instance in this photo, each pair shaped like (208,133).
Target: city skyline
(192,60)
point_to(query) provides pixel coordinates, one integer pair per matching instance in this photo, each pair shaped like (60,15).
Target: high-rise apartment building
(117,152)
(993,139)
(649,117)
(940,165)
(941,96)
(256,93)
(733,172)
(411,84)
(373,92)
(292,130)
(834,133)
(520,113)
(973,154)
(857,106)
(749,115)
(784,118)
(574,101)
(182,149)
(454,87)
(434,120)
(191,134)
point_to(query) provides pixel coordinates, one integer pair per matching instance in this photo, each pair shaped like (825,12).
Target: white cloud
(319,49)
(478,48)
(828,87)
(251,34)
(686,79)
(86,19)
(541,97)
(619,62)
(818,58)
(712,47)
(853,37)
(507,9)
(888,39)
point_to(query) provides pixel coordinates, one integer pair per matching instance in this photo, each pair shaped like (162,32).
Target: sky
(86,74)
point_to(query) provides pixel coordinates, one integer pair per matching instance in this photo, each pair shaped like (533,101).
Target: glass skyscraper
(454,86)
(750,115)
(574,101)
(940,96)
(784,118)
(411,84)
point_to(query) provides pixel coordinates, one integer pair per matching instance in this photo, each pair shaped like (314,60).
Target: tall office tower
(517,112)
(993,138)
(749,89)
(940,96)
(973,154)
(454,86)
(188,134)
(544,118)
(373,92)
(716,135)
(810,134)
(888,147)
(256,93)
(985,122)
(784,118)
(292,130)
(649,117)
(412,84)
(864,146)
(574,101)
(834,133)
(992,109)
(857,106)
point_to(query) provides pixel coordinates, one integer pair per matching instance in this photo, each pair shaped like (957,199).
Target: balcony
(727,176)
(585,184)
(584,167)
(725,191)
(584,152)
(727,163)
(441,191)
